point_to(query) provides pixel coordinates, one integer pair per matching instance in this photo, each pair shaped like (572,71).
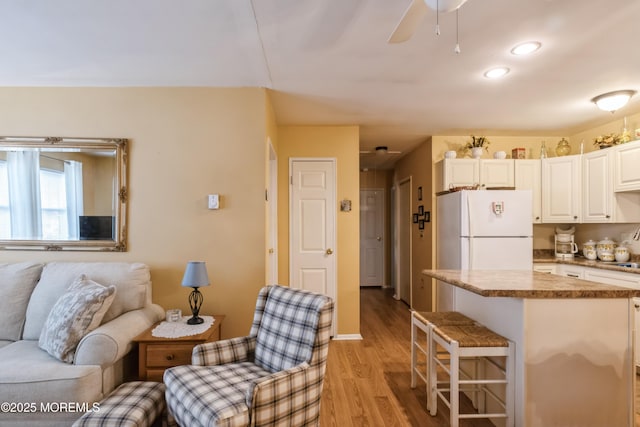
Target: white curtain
(75,203)
(23,169)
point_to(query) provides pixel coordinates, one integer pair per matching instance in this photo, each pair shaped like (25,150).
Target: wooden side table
(157,354)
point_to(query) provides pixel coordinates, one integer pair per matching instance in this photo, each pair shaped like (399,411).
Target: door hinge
(291,179)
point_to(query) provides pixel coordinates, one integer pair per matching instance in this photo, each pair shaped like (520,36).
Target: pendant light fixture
(457,48)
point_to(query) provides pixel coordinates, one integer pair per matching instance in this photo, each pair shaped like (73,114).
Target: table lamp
(195,276)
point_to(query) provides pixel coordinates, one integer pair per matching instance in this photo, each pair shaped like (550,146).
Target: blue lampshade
(195,276)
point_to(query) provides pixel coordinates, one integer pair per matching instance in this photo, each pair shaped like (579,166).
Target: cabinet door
(561,189)
(527,177)
(460,172)
(597,193)
(496,173)
(626,170)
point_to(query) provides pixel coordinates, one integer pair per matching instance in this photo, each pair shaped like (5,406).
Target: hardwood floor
(368,382)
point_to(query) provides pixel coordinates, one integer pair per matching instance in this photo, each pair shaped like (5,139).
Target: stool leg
(432,395)
(482,395)
(454,386)
(414,356)
(510,398)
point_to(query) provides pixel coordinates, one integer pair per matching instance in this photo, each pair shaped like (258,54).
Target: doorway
(272,209)
(312,213)
(372,238)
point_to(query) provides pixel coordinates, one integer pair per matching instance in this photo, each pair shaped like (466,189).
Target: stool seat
(480,346)
(471,336)
(425,321)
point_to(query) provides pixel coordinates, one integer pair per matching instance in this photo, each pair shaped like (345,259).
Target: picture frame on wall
(419,193)
(420,210)
(415,218)
(421,224)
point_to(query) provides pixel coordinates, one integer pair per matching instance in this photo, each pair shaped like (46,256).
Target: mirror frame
(119,244)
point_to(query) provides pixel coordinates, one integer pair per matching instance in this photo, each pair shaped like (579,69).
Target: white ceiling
(329,63)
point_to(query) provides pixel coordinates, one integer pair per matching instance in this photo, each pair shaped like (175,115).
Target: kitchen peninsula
(574,342)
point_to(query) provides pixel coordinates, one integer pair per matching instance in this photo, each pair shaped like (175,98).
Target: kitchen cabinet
(574,271)
(626,158)
(464,172)
(545,268)
(527,177)
(561,189)
(599,201)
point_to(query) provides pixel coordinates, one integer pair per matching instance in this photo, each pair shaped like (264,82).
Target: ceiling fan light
(496,73)
(526,48)
(612,101)
(444,6)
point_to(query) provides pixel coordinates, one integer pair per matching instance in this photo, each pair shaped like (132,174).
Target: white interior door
(372,237)
(272,206)
(313,226)
(404,240)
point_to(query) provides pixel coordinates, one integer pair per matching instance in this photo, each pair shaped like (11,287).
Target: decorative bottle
(543,151)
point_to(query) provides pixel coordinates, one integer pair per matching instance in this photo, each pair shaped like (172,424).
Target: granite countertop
(547,256)
(528,284)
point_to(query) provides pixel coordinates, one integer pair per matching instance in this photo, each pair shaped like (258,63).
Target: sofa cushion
(28,374)
(130,279)
(76,313)
(16,285)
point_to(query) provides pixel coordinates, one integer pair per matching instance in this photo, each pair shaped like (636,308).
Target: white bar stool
(425,321)
(463,342)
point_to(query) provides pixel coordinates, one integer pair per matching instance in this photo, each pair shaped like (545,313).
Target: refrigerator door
(497,253)
(496,213)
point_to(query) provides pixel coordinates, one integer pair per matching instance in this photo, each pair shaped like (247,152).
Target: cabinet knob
(170,357)
(575,217)
(636,306)
(537,217)
(608,216)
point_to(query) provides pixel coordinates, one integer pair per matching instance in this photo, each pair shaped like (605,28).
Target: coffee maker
(565,246)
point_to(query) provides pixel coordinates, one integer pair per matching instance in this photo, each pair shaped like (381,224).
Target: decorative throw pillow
(76,313)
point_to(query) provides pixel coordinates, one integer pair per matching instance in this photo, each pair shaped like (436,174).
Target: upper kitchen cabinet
(486,173)
(527,177)
(561,189)
(626,171)
(599,202)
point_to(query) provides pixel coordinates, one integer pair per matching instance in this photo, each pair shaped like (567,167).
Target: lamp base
(195,320)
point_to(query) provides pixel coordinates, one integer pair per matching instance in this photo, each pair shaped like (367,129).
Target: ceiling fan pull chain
(457,48)
(437,17)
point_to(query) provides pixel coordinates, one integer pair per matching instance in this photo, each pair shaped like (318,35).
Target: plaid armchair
(272,377)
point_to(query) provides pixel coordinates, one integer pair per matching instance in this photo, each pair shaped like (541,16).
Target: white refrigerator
(482,230)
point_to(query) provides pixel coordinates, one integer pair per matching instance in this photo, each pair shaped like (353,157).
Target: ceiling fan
(415,14)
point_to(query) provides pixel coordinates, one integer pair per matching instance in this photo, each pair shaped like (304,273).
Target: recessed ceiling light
(526,48)
(496,73)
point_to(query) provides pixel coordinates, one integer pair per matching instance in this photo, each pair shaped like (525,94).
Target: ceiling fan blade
(409,22)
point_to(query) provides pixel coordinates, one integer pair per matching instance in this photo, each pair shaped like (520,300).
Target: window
(5,219)
(54,205)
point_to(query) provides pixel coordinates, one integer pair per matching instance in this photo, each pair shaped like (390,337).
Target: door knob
(379,238)
(271,250)
(329,251)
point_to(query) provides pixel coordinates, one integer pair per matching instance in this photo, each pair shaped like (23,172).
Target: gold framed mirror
(63,194)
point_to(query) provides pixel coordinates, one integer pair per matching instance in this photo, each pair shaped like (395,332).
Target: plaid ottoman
(133,404)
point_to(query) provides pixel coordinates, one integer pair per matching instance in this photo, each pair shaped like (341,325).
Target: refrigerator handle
(471,239)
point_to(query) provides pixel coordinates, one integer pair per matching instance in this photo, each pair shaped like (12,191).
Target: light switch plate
(214,201)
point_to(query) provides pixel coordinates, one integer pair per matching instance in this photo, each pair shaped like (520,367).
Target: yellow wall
(185,143)
(342,143)
(418,166)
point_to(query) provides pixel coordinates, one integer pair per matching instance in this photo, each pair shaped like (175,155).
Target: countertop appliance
(482,230)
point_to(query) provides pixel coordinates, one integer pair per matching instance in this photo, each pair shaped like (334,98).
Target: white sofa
(42,390)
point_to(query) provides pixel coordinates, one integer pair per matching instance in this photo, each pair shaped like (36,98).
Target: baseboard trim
(347,337)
